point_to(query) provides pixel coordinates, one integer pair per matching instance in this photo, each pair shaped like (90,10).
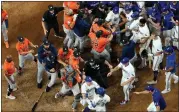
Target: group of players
(128,24)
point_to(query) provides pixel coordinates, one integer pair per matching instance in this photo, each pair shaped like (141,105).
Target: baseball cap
(99,33)
(125,40)
(76,54)
(46,42)
(50,7)
(88,79)
(168,49)
(20,38)
(149,88)
(102,6)
(164,9)
(125,60)
(100,21)
(65,49)
(135,15)
(127,8)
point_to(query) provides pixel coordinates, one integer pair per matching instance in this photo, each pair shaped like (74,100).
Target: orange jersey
(68,20)
(23,47)
(64,57)
(9,67)
(98,44)
(4,15)
(95,28)
(74,62)
(72,5)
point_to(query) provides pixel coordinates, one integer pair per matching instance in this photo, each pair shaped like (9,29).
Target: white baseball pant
(3,30)
(168,76)
(167,36)
(126,89)
(156,62)
(23,58)
(152,108)
(79,42)
(53,78)
(69,39)
(154,30)
(104,54)
(75,89)
(12,86)
(41,69)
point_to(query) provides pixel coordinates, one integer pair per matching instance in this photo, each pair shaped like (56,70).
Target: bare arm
(108,64)
(142,92)
(44,28)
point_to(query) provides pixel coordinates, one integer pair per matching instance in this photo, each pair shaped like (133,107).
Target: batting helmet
(101,91)
(65,49)
(100,21)
(125,40)
(99,33)
(149,88)
(125,60)
(20,38)
(116,10)
(50,7)
(76,54)
(135,15)
(88,79)
(169,49)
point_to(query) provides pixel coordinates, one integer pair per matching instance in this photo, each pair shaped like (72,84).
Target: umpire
(97,69)
(49,20)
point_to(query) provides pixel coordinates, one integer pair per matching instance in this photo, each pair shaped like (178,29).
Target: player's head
(125,61)
(65,50)
(88,80)
(168,50)
(115,10)
(102,7)
(20,39)
(9,58)
(76,54)
(125,41)
(99,33)
(101,91)
(164,10)
(142,22)
(81,13)
(135,15)
(127,9)
(149,88)
(46,44)
(100,21)
(51,8)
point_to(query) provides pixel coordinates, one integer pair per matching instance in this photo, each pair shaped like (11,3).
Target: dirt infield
(25,19)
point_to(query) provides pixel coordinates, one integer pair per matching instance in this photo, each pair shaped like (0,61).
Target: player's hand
(52,70)
(96,19)
(150,54)
(75,16)
(89,11)
(149,19)
(68,22)
(110,67)
(31,51)
(109,74)
(137,93)
(35,46)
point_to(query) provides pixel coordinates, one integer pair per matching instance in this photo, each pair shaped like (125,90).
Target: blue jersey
(158,99)
(175,9)
(167,24)
(155,16)
(128,50)
(49,64)
(42,52)
(171,62)
(81,27)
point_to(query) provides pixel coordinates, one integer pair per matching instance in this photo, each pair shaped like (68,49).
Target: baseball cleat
(11,97)
(123,102)
(39,85)
(47,89)
(152,82)
(15,89)
(6,44)
(165,91)
(176,81)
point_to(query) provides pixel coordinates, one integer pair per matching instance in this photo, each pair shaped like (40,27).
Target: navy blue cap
(149,88)
(88,79)
(46,42)
(20,38)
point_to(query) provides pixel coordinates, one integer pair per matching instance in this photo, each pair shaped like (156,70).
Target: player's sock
(155,75)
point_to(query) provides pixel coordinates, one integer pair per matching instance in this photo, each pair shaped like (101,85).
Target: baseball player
(24,52)
(98,45)
(69,22)
(128,77)
(64,55)
(70,79)
(167,24)
(9,71)
(50,68)
(74,5)
(4,26)
(158,103)
(44,50)
(157,56)
(174,7)
(97,69)
(81,29)
(88,91)
(175,36)
(99,102)
(49,20)
(170,69)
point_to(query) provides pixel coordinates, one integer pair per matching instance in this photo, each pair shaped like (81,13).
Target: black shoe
(69,93)
(39,85)
(49,78)
(47,89)
(35,59)
(19,72)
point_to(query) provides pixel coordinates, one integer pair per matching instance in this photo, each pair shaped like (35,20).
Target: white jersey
(89,90)
(134,24)
(100,102)
(175,33)
(156,45)
(114,18)
(127,72)
(128,16)
(141,4)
